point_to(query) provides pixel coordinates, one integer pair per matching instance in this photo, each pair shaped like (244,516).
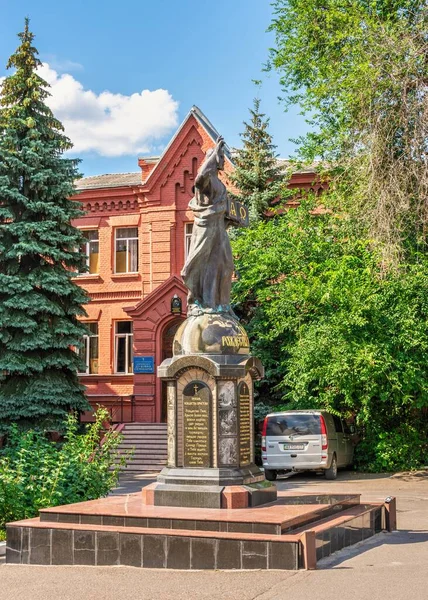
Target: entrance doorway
(167,340)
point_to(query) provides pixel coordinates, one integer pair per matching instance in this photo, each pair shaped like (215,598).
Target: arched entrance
(166,352)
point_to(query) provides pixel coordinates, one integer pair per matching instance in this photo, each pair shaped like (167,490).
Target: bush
(335,330)
(402,449)
(37,473)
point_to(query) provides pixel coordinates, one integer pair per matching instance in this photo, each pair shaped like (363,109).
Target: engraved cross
(195,387)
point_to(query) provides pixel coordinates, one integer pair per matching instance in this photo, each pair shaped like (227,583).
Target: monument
(179,522)
(210,377)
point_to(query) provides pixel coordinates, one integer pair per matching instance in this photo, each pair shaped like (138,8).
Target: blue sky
(102,55)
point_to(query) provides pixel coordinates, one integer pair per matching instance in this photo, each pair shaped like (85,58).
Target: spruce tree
(39,303)
(257,177)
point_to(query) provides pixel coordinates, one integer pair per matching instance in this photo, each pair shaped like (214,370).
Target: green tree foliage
(335,332)
(358,68)
(36,473)
(39,304)
(257,177)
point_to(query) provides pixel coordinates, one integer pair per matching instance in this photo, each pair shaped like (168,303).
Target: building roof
(206,124)
(113,180)
(110,180)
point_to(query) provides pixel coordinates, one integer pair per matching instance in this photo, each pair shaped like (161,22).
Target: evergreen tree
(39,303)
(257,177)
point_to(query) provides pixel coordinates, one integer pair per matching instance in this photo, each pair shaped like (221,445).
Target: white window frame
(126,240)
(187,238)
(86,246)
(85,352)
(129,352)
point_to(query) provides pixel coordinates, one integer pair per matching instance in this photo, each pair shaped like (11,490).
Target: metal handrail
(118,407)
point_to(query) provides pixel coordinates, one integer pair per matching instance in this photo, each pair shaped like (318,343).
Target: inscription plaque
(196,437)
(244,424)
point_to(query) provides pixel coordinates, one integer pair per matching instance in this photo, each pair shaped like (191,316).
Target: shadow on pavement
(396,538)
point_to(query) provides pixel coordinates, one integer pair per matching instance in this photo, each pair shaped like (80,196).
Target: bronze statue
(208,270)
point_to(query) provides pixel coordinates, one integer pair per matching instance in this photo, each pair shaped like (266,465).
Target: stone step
(161,439)
(149,447)
(141,462)
(148,443)
(37,542)
(187,538)
(145,449)
(145,427)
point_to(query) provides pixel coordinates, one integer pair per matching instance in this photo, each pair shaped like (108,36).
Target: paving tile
(254,555)
(203,553)
(228,554)
(119,521)
(62,547)
(14,538)
(283,555)
(268,528)
(159,523)
(319,544)
(353,532)
(25,554)
(13,556)
(340,537)
(207,525)
(40,550)
(68,518)
(377,520)
(130,549)
(178,553)
(135,522)
(367,529)
(49,516)
(154,551)
(183,524)
(107,548)
(332,539)
(91,519)
(84,547)
(240,527)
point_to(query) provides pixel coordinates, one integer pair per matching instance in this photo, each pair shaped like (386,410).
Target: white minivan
(305,440)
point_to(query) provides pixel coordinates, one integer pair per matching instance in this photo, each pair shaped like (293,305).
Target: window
(187,239)
(126,260)
(123,353)
(293,424)
(337,424)
(91,249)
(89,351)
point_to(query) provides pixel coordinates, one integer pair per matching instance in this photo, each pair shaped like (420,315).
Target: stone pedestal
(210,419)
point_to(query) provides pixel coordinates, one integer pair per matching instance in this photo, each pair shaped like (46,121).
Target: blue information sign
(144,364)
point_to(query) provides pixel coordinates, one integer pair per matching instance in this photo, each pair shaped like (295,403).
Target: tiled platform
(291,533)
(281,516)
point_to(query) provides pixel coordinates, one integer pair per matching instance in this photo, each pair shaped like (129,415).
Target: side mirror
(352,429)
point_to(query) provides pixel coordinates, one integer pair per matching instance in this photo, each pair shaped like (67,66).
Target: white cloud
(110,124)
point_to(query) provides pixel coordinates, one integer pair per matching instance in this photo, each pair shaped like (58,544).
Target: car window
(346,427)
(293,425)
(337,424)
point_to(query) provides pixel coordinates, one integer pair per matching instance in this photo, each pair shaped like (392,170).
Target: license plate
(294,446)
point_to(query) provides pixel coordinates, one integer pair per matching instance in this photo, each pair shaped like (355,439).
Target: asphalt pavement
(389,566)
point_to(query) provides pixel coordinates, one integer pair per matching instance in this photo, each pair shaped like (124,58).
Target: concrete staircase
(148,441)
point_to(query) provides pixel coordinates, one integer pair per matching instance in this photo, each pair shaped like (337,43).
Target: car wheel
(331,472)
(270,475)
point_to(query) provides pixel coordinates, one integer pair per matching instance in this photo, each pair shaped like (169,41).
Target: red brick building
(138,227)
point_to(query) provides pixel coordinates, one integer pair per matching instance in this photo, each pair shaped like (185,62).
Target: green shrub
(37,473)
(402,449)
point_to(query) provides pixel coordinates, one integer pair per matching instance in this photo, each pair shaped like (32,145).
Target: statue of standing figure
(208,270)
